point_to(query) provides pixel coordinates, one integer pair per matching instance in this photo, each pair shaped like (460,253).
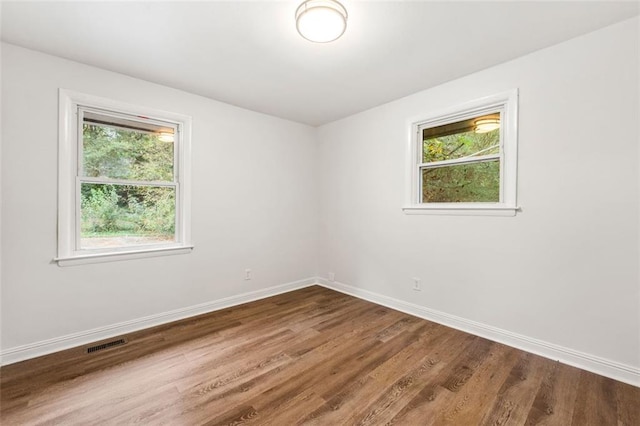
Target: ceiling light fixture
(485,125)
(321,21)
(165,137)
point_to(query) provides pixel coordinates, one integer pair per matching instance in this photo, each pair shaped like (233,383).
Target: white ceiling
(249,54)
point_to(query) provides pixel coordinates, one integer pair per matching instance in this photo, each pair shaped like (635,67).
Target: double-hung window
(123,181)
(464,160)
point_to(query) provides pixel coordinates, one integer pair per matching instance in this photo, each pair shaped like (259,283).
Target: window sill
(462,210)
(121,255)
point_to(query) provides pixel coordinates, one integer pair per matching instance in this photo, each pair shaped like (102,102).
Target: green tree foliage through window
(460,145)
(125,154)
(460,165)
(474,182)
(135,207)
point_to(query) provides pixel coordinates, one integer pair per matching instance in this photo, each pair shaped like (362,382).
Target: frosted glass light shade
(165,137)
(321,21)
(486,125)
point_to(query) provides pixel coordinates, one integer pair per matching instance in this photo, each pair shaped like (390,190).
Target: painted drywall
(0,209)
(565,269)
(254,206)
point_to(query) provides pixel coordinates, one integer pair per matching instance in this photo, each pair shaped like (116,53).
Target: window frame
(506,104)
(71,107)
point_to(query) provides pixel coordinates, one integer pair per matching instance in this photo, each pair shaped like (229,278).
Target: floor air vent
(107,345)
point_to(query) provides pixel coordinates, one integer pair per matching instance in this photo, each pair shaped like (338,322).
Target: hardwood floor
(314,357)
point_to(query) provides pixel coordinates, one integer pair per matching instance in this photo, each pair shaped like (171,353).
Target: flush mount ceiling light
(485,125)
(165,137)
(321,21)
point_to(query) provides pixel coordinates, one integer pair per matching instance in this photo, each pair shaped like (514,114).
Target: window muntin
(124,182)
(461,162)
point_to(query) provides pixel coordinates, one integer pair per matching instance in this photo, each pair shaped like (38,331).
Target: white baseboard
(44,347)
(595,364)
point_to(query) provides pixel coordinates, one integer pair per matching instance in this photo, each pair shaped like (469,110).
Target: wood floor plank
(596,401)
(281,384)
(420,401)
(467,406)
(355,369)
(313,357)
(628,404)
(555,399)
(516,396)
(427,344)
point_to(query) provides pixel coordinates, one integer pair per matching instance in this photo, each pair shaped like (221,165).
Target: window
(464,160)
(123,184)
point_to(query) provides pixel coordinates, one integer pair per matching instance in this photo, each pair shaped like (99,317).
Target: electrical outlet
(247,274)
(417,284)
(332,276)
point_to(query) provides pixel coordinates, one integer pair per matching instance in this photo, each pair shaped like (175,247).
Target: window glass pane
(462,139)
(119,152)
(471,182)
(126,215)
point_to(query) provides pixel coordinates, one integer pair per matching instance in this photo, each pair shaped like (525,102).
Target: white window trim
(507,104)
(68,209)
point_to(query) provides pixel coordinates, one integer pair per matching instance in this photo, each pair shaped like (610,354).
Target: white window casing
(71,106)
(507,105)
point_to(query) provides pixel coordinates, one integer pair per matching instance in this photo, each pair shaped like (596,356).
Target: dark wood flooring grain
(314,357)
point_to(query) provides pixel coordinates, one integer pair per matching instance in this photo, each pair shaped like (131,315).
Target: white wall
(254,206)
(565,269)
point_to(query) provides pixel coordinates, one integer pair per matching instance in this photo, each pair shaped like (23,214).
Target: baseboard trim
(604,367)
(45,347)
(624,373)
